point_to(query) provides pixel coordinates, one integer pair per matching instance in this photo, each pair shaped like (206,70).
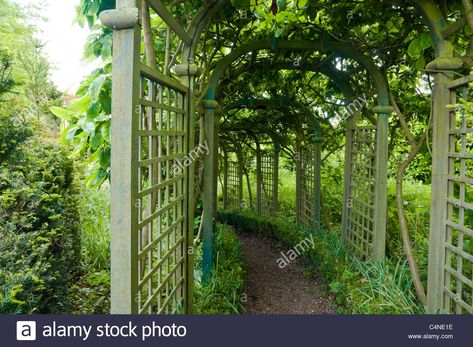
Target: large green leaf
(61,113)
(96,87)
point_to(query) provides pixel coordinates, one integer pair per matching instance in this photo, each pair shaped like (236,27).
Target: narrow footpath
(272,290)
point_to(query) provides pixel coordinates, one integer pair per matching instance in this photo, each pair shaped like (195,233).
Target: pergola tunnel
(177,121)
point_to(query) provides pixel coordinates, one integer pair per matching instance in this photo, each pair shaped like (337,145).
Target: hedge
(38,227)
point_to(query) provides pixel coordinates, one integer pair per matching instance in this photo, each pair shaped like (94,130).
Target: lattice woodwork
(234,182)
(458,245)
(361,200)
(161,198)
(267,182)
(307,186)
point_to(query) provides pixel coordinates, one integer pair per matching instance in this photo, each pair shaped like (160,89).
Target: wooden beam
(440,149)
(347,178)
(124,161)
(380,207)
(317,185)
(167,17)
(167,81)
(453,28)
(208,219)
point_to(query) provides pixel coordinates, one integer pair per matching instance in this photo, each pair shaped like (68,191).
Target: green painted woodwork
(325,45)
(210,192)
(151,227)
(141,93)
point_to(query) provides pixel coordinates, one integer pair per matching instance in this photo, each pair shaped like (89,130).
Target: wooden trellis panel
(161,198)
(233,185)
(307,187)
(150,179)
(457,248)
(360,203)
(267,183)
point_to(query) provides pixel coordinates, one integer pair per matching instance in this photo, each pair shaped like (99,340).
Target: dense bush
(359,287)
(13,134)
(38,226)
(222,293)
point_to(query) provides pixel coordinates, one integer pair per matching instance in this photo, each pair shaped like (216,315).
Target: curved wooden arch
(325,45)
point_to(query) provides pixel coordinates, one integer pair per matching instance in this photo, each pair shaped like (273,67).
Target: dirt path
(271,289)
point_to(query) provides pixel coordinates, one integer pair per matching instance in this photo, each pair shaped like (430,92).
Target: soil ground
(272,290)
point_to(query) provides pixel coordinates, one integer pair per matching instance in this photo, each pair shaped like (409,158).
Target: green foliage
(385,289)
(222,293)
(91,291)
(89,124)
(417,209)
(89,10)
(287,193)
(38,229)
(25,86)
(12,136)
(6,80)
(94,209)
(417,48)
(332,189)
(359,287)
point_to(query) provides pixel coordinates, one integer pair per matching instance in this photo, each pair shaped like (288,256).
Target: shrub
(222,293)
(359,287)
(38,228)
(91,293)
(12,136)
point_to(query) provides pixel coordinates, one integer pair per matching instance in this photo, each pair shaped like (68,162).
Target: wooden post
(208,219)
(298,161)
(187,73)
(124,160)
(215,160)
(275,177)
(317,192)
(225,180)
(240,176)
(259,191)
(438,209)
(381,185)
(347,177)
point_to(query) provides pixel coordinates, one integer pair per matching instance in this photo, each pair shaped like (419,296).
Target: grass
(222,293)
(95,228)
(91,292)
(385,288)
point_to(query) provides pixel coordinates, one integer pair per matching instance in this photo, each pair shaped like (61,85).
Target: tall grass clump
(387,288)
(95,228)
(222,292)
(91,292)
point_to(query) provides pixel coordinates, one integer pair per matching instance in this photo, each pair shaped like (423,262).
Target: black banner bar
(244,330)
